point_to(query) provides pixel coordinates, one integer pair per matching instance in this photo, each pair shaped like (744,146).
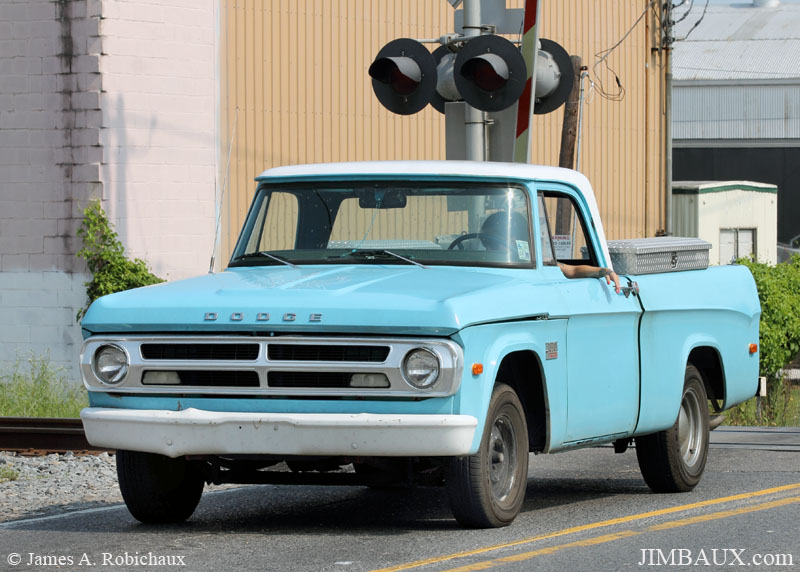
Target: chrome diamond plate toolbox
(662,254)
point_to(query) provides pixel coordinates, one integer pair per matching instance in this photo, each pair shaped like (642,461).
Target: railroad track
(43,435)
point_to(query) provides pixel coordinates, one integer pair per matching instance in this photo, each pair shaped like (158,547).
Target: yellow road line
(486,564)
(590,526)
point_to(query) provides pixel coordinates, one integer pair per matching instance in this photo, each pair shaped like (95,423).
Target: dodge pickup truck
(412,321)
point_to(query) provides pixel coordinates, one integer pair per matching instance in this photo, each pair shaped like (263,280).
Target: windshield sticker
(524,250)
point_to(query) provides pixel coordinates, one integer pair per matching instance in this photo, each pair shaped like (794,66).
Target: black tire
(486,490)
(158,489)
(673,460)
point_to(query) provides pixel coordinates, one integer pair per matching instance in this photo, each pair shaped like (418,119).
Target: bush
(111,270)
(779,333)
(40,390)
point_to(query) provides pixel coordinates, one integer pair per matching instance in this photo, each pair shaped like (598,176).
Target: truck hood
(351,298)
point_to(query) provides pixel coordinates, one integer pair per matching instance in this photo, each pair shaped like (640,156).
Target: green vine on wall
(105,256)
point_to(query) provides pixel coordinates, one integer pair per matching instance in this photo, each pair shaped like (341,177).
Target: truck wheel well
(707,361)
(522,371)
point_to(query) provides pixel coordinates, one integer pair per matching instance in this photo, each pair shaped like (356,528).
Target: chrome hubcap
(690,430)
(502,457)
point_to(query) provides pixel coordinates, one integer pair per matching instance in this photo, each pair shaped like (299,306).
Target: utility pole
(666,42)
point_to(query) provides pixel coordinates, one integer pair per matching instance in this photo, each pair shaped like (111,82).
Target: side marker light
(753,348)
(477,368)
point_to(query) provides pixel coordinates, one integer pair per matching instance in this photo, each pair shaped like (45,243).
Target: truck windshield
(387,223)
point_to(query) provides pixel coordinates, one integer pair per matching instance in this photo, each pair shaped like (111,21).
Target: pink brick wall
(100,99)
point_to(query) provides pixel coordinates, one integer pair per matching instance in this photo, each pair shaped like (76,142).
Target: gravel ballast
(54,484)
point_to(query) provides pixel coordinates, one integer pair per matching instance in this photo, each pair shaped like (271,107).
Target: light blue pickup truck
(412,321)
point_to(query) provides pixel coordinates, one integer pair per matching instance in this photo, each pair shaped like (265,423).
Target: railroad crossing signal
(404,76)
(487,72)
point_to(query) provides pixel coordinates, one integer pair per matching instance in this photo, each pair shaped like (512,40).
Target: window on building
(736,243)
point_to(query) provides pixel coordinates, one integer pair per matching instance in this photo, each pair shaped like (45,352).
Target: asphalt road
(585,510)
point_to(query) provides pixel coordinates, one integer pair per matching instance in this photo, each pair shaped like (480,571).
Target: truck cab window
(567,228)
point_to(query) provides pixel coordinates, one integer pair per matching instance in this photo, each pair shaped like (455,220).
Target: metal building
(736,100)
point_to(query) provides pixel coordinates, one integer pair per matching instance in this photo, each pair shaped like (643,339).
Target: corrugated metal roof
(738,41)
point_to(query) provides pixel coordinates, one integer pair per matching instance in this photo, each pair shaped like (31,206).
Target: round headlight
(421,368)
(110,364)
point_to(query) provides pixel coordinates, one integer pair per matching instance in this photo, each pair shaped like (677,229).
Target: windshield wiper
(372,254)
(265,254)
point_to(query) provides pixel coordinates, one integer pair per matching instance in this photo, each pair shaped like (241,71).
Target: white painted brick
(90,81)
(13,47)
(85,137)
(19,333)
(76,9)
(14,262)
(61,245)
(13,12)
(86,100)
(94,8)
(138,13)
(44,47)
(88,173)
(86,64)
(54,263)
(43,83)
(94,44)
(82,28)
(23,209)
(14,84)
(21,245)
(34,228)
(189,17)
(36,29)
(6,30)
(39,11)
(56,209)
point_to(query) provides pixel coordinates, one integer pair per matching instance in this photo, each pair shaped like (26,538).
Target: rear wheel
(486,490)
(158,489)
(673,460)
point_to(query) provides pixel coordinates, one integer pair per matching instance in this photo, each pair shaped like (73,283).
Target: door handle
(631,288)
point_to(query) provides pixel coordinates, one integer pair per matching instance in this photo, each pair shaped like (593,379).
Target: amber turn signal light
(477,368)
(753,348)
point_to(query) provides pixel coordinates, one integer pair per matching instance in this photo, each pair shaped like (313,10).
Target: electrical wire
(602,58)
(685,14)
(703,15)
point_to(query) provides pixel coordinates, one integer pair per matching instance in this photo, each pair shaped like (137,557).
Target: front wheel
(158,489)
(486,490)
(673,460)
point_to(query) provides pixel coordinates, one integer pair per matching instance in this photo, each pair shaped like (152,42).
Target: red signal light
(485,75)
(401,83)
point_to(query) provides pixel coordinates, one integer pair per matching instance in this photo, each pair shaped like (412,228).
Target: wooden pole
(569,129)
(569,134)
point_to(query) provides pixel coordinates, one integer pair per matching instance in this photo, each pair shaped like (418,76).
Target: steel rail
(42,435)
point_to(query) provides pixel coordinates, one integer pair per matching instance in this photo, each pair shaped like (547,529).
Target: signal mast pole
(474,118)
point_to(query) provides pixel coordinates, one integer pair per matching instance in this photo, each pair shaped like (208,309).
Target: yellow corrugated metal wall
(295,89)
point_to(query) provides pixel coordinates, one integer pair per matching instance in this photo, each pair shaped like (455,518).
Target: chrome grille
(212,378)
(322,379)
(285,366)
(320,352)
(200,351)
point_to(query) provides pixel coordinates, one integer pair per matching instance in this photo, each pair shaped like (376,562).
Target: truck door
(602,349)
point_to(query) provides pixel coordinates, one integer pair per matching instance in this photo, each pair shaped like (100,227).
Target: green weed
(36,388)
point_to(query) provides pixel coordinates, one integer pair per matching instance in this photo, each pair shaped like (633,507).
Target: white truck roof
(522,171)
